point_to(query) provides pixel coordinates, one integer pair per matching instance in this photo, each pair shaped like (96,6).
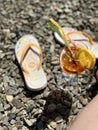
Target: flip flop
(29,56)
(79,37)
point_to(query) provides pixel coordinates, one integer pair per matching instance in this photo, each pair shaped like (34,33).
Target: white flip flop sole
(36,79)
(80,38)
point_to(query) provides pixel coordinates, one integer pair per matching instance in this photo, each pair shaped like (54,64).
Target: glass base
(71,79)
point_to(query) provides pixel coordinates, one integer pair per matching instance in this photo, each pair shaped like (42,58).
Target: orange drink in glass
(70,62)
(76,56)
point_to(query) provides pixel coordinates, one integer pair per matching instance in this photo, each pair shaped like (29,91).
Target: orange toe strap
(24,52)
(79,32)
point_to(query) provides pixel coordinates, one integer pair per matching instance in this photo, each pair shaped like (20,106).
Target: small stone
(52,48)
(62,109)
(37,112)
(55,62)
(11,116)
(23,112)
(45,94)
(1,115)
(49,127)
(51,108)
(14,128)
(6,79)
(1,128)
(6,33)
(5,120)
(79,105)
(28,122)
(59,119)
(17,103)
(18,123)
(85,101)
(60,127)
(9,98)
(24,128)
(2,55)
(33,120)
(53,124)
(41,102)
(76,110)
(12,121)
(40,125)
(6,106)
(1,107)
(2,89)
(12,35)
(14,110)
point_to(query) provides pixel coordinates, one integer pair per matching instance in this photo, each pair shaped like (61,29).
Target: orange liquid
(71,64)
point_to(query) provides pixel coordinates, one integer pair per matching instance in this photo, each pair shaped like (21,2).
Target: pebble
(17,103)
(37,112)
(6,33)
(7,106)
(12,121)
(53,124)
(28,122)
(52,48)
(1,107)
(11,116)
(51,107)
(1,128)
(14,128)
(79,105)
(59,119)
(85,101)
(23,112)
(9,98)
(40,125)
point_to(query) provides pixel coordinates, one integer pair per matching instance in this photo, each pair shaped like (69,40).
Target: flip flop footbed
(35,79)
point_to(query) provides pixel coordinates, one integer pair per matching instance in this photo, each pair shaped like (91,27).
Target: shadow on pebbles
(57,108)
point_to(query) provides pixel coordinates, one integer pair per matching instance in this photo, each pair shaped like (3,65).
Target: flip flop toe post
(29,56)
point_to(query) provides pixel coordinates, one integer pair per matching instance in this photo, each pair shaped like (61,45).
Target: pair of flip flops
(29,56)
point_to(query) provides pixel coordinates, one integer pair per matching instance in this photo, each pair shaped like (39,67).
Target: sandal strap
(24,52)
(79,32)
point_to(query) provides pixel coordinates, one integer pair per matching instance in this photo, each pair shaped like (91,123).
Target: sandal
(79,37)
(29,56)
